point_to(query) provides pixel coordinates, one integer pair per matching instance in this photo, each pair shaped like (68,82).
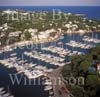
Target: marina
(75,44)
(27,69)
(61,51)
(47,58)
(3,93)
(36,62)
(32,53)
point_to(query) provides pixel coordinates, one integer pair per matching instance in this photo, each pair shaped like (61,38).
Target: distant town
(45,26)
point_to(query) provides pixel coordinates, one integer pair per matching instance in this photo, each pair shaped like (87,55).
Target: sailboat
(4,93)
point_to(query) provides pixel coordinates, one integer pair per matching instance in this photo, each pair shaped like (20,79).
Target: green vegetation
(27,35)
(80,67)
(42,21)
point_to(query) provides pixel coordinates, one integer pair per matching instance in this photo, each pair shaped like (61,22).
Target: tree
(77,91)
(27,35)
(92,84)
(85,65)
(37,33)
(52,34)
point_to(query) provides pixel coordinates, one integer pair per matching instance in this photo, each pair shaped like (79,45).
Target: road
(55,76)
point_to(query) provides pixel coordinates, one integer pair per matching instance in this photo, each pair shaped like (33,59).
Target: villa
(98,68)
(9,12)
(14,34)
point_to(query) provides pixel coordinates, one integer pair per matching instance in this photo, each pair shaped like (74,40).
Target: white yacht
(47,88)
(4,93)
(47,82)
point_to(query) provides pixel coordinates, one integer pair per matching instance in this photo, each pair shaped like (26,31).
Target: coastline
(30,42)
(84,32)
(56,73)
(27,43)
(41,41)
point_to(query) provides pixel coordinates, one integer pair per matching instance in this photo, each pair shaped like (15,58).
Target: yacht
(47,82)
(45,57)
(47,88)
(4,93)
(1,89)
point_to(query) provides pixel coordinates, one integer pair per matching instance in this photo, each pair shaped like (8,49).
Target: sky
(50,2)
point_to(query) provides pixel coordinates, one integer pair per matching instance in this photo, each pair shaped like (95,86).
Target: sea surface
(37,90)
(89,11)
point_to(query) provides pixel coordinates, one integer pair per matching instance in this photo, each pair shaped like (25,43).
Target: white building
(98,68)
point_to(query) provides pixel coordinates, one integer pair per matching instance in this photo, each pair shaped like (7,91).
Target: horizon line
(52,5)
